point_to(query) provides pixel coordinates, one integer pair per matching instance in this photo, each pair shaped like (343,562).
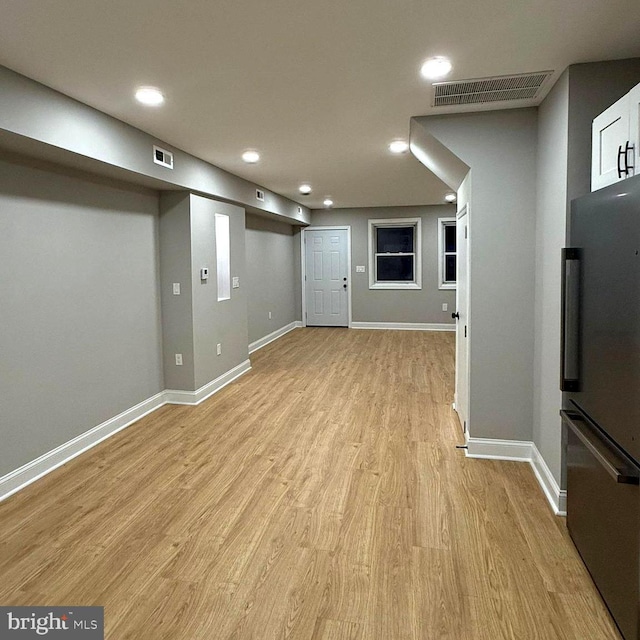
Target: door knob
(344,285)
(455,315)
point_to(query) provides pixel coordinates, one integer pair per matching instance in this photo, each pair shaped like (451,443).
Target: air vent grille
(483,90)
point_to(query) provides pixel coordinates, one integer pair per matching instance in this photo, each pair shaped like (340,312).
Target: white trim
(303,257)
(417,252)
(522,451)
(556,496)
(404,326)
(32,471)
(274,335)
(442,223)
(491,449)
(178,396)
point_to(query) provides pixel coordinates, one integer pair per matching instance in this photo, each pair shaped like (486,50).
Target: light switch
(445,306)
(236,282)
(204,273)
(360,269)
(176,288)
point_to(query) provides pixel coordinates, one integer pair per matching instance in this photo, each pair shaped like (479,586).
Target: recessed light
(251,156)
(328,202)
(304,189)
(398,146)
(435,68)
(450,197)
(149,96)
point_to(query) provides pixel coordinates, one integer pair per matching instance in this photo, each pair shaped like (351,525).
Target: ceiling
(319,88)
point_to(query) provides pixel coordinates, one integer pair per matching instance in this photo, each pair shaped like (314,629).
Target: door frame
(462,213)
(303,262)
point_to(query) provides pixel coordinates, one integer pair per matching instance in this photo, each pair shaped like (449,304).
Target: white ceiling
(319,88)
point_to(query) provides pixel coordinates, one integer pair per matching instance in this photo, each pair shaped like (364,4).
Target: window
(447,258)
(223,256)
(395,260)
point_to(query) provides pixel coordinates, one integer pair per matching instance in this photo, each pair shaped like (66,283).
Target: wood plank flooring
(319,497)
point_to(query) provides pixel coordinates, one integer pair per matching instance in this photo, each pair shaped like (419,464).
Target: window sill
(447,286)
(395,285)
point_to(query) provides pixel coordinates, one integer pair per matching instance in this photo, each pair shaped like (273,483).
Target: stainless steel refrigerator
(600,363)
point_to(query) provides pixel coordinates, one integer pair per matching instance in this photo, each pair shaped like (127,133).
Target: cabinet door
(634,129)
(610,134)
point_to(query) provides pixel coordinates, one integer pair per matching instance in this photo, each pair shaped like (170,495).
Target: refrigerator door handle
(612,462)
(570,317)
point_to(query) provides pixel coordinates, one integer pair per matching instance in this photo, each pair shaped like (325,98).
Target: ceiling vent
(483,90)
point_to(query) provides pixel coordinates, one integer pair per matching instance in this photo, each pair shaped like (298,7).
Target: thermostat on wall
(204,273)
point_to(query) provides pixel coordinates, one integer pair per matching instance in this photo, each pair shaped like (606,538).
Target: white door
(326,277)
(462,310)
(610,145)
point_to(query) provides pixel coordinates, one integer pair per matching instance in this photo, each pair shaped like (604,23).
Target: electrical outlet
(445,306)
(178,359)
(176,288)
(235,282)
(360,269)
(269,315)
(219,349)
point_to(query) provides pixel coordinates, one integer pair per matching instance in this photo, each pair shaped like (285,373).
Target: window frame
(442,254)
(416,223)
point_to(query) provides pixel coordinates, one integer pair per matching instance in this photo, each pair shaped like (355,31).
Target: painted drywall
(271,280)
(195,321)
(177,310)
(38,120)
(80,334)
(407,306)
(551,211)
(500,149)
(593,87)
(216,321)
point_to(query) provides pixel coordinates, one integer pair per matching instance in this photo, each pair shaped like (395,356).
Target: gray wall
(195,321)
(500,149)
(372,305)
(271,276)
(553,132)
(37,120)
(593,87)
(80,337)
(217,322)
(177,311)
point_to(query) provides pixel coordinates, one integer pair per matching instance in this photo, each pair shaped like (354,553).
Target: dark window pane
(450,238)
(395,268)
(450,269)
(394,240)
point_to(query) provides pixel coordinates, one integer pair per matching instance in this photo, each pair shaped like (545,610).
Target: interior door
(462,310)
(326,277)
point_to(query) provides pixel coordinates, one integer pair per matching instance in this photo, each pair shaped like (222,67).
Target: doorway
(326,275)
(461,397)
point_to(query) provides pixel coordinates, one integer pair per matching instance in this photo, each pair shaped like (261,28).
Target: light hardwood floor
(319,497)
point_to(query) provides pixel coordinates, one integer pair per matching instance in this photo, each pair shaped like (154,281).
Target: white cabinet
(634,128)
(615,141)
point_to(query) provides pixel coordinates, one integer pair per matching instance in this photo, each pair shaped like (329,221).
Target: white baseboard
(556,496)
(274,335)
(32,471)
(404,326)
(177,396)
(522,451)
